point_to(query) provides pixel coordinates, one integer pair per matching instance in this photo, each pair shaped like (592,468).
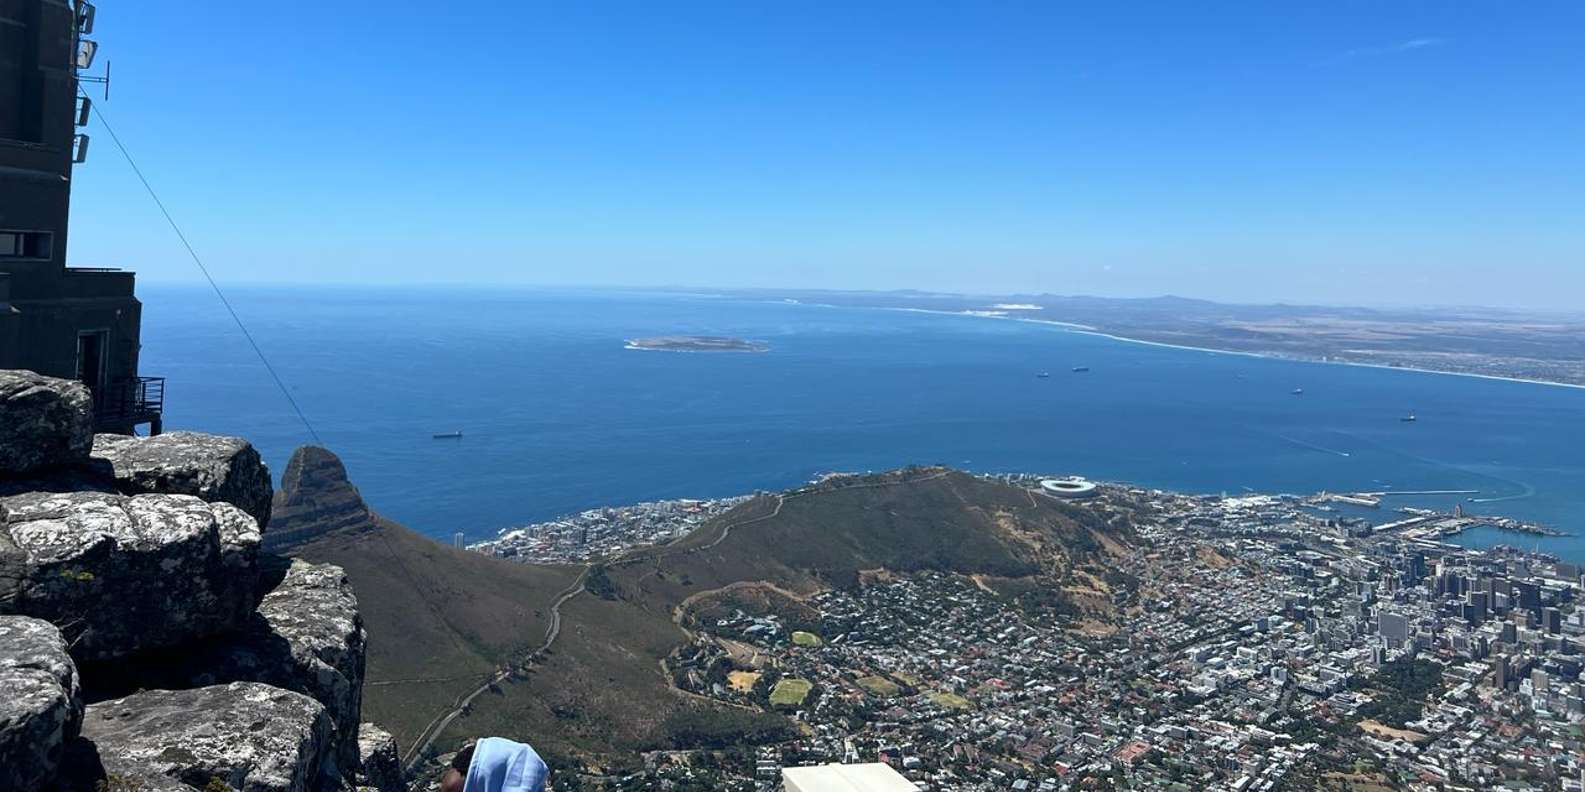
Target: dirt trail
(427,737)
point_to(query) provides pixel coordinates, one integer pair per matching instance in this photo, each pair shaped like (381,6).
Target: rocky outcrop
(315,498)
(133,566)
(44,423)
(379,762)
(125,574)
(41,707)
(249,736)
(212,467)
(306,636)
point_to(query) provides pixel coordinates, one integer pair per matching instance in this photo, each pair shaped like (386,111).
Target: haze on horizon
(1349,153)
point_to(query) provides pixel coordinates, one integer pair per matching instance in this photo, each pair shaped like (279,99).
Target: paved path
(423,681)
(426,738)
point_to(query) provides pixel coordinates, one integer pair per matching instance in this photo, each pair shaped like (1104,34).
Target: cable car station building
(71,322)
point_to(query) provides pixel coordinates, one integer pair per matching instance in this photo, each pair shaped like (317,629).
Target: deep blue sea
(557,416)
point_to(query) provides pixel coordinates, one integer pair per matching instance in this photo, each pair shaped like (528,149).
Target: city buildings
(1252,643)
(598,533)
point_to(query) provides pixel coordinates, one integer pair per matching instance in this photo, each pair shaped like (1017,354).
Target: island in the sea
(697,344)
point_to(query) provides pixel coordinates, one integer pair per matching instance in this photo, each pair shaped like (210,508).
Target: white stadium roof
(845,778)
(1068,488)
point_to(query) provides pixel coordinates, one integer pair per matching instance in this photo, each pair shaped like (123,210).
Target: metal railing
(133,401)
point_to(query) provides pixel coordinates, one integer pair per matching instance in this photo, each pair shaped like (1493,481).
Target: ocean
(557,416)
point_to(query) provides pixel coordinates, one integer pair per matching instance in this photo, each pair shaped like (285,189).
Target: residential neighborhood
(1249,643)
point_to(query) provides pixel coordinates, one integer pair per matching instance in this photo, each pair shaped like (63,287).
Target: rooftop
(875,777)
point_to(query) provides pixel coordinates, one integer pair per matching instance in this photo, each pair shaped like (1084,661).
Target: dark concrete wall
(38,86)
(33,201)
(10,322)
(16,49)
(37,79)
(44,305)
(49,328)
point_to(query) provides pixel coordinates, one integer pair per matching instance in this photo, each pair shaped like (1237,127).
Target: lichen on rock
(306,636)
(215,468)
(122,574)
(45,422)
(251,737)
(41,707)
(138,570)
(379,762)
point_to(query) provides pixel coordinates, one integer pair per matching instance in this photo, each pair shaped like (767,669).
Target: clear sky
(1344,152)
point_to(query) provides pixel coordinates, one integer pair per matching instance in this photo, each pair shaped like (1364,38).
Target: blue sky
(1341,152)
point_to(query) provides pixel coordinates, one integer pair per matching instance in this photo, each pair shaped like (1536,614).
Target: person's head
(456,776)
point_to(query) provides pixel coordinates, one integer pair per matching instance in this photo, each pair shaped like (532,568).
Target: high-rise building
(1416,568)
(1451,583)
(71,322)
(1552,621)
(1499,666)
(1478,602)
(1394,629)
(1528,595)
(456,540)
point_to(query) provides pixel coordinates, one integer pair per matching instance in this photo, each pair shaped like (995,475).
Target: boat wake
(1528,491)
(1313,446)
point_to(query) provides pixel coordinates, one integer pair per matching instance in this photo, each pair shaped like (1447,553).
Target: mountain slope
(441,621)
(825,535)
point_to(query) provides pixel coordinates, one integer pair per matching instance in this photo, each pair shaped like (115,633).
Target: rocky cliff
(315,499)
(146,639)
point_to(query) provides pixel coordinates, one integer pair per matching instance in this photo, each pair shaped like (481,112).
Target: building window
(26,244)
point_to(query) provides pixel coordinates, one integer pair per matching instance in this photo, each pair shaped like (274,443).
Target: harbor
(1426,524)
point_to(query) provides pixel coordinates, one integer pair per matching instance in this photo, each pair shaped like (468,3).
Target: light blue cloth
(500,765)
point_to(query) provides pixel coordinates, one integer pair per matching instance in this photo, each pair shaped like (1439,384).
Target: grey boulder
(215,468)
(44,422)
(248,736)
(306,636)
(379,763)
(41,707)
(122,574)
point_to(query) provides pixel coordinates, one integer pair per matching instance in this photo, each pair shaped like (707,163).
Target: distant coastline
(1087,330)
(1013,313)
(696,344)
(1275,356)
